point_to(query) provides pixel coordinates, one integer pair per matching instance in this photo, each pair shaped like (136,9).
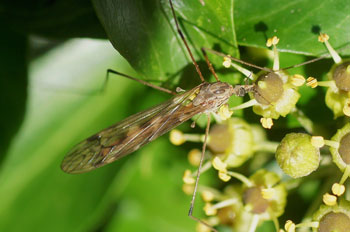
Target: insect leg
(237,60)
(185,42)
(134,79)
(190,212)
(209,64)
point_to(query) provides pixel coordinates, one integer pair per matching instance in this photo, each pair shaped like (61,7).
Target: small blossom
(266,122)
(317,141)
(207,195)
(219,165)
(223,176)
(289,226)
(338,189)
(188,188)
(298,80)
(265,194)
(329,199)
(233,141)
(268,193)
(272,41)
(227,62)
(194,157)
(177,137)
(202,228)
(323,37)
(275,93)
(209,209)
(187,177)
(346,108)
(311,82)
(224,112)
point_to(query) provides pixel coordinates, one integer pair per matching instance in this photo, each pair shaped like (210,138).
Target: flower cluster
(257,174)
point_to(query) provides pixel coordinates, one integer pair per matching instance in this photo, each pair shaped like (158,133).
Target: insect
(137,130)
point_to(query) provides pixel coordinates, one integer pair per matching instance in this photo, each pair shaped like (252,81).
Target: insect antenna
(185,42)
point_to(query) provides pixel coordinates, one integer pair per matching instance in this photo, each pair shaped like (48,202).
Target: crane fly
(138,130)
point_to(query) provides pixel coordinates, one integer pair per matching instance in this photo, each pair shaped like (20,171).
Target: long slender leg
(190,212)
(135,79)
(209,64)
(185,42)
(238,60)
(263,68)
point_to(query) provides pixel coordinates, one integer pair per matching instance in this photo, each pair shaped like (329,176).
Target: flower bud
(341,153)
(333,218)
(297,156)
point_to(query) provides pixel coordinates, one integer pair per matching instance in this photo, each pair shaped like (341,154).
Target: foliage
(50,83)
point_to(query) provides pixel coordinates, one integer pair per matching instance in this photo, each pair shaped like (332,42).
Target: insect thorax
(213,95)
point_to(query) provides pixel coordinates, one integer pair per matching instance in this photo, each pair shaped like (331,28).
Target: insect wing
(130,134)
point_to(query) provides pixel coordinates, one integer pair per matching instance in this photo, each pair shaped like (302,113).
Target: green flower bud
(252,196)
(338,94)
(296,156)
(234,215)
(269,88)
(267,195)
(233,140)
(333,218)
(276,95)
(341,154)
(341,75)
(336,100)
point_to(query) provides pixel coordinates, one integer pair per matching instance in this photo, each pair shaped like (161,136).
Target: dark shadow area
(315,29)
(53,18)
(262,61)
(189,76)
(13,85)
(261,27)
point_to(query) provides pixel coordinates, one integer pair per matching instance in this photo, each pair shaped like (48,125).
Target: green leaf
(145,33)
(296,23)
(63,108)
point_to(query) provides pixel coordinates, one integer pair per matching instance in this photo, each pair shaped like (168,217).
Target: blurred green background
(54,56)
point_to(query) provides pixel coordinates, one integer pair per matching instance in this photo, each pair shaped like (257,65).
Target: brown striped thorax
(213,95)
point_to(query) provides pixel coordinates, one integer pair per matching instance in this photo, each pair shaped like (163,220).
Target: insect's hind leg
(134,79)
(190,212)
